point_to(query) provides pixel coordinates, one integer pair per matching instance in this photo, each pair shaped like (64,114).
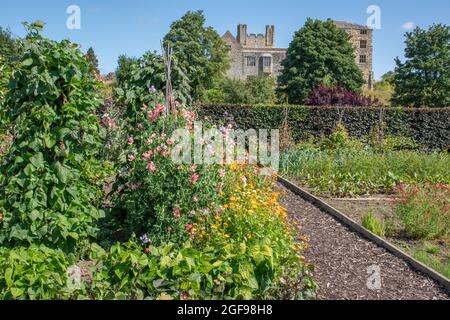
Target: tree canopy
(319,52)
(92,58)
(8,44)
(423,80)
(199,50)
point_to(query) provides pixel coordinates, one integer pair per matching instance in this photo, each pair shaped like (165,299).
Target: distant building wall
(255,54)
(361,38)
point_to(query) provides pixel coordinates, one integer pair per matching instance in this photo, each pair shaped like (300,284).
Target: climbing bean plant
(51,176)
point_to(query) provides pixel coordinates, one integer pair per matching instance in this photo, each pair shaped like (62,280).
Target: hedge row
(429,127)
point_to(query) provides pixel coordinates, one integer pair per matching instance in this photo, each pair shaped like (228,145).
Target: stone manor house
(254,54)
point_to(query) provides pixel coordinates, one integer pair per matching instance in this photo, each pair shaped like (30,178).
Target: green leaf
(37,160)
(49,141)
(62,172)
(17,292)
(8,277)
(27,62)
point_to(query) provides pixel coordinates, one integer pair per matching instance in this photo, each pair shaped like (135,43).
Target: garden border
(350,223)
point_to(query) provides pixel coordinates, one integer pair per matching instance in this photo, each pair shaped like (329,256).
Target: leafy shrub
(140,80)
(35,273)
(374,224)
(5,74)
(233,271)
(427,127)
(339,139)
(424,210)
(50,180)
(324,95)
(254,90)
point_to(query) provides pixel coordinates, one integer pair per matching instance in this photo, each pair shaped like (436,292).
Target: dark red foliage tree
(337,95)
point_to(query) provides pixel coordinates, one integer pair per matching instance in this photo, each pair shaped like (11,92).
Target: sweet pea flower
(194,178)
(151,167)
(170,141)
(193,168)
(188,227)
(147,155)
(130,141)
(166,153)
(131,157)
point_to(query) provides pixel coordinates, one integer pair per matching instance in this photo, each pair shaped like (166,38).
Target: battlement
(256,40)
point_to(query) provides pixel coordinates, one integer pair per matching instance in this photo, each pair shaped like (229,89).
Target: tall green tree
(319,51)
(199,50)
(423,80)
(124,68)
(8,44)
(92,58)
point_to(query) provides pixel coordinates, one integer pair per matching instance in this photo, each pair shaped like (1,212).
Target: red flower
(194,178)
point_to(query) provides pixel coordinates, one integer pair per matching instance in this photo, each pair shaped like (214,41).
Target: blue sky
(132,27)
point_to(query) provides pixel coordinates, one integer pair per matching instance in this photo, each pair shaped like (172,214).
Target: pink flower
(147,155)
(131,157)
(192,235)
(194,178)
(166,153)
(188,227)
(193,168)
(222,173)
(151,167)
(192,213)
(176,212)
(130,141)
(195,199)
(170,141)
(158,149)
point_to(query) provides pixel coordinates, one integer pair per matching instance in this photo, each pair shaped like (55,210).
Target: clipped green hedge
(429,127)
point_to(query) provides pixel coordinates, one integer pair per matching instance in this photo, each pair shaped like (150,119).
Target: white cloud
(408,25)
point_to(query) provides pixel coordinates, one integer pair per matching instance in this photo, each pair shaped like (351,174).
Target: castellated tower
(242,34)
(270,36)
(253,54)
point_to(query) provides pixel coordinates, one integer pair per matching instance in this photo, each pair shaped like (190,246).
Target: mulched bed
(342,257)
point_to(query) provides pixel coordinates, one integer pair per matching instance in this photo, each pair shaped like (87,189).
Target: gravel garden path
(342,257)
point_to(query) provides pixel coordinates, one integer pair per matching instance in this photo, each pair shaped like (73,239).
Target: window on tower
(363,44)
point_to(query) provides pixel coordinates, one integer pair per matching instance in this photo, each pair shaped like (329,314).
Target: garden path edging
(415,264)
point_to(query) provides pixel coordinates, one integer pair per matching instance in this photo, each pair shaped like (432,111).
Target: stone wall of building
(253,54)
(361,38)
